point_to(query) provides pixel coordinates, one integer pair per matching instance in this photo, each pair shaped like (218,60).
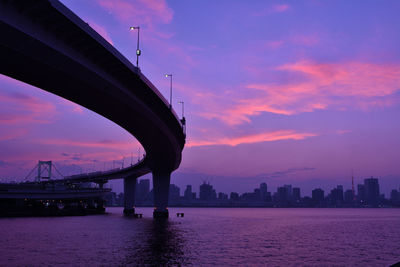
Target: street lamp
(183,107)
(170,90)
(138,52)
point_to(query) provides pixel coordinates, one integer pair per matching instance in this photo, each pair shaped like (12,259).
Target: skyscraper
(263,191)
(318,196)
(207,192)
(142,189)
(288,191)
(296,194)
(188,193)
(174,192)
(371,191)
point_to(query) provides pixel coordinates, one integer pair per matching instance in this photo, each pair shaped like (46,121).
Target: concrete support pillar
(161,191)
(129,195)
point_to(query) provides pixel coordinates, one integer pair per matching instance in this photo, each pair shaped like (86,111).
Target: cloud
(284,173)
(255,138)
(145,11)
(314,86)
(274,44)
(280,8)
(272,9)
(305,40)
(108,144)
(341,132)
(21,108)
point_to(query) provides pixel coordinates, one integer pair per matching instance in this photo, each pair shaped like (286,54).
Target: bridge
(46,45)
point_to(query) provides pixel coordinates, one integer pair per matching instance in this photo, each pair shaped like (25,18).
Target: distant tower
(44,166)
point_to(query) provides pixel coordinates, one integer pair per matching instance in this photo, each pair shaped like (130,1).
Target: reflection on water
(206,237)
(163,245)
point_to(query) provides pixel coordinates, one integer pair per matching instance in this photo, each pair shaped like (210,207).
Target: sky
(283,92)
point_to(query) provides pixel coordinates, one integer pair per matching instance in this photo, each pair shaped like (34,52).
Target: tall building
(289,191)
(174,192)
(361,193)
(207,192)
(142,189)
(348,196)
(188,195)
(263,191)
(257,194)
(222,196)
(336,196)
(282,195)
(318,196)
(234,196)
(395,196)
(296,194)
(371,191)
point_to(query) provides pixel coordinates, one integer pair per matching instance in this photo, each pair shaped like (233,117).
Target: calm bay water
(205,237)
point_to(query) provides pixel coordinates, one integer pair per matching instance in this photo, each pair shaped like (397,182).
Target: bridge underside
(44,44)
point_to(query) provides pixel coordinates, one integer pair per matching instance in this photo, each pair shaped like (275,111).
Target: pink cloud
(145,11)
(255,138)
(104,144)
(305,40)
(341,132)
(272,9)
(280,8)
(10,134)
(316,86)
(274,44)
(20,108)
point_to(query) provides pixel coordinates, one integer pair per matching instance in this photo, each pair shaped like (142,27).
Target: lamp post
(170,90)
(138,52)
(183,107)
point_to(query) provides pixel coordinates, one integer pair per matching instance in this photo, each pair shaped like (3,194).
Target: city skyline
(303,102)
(366,194)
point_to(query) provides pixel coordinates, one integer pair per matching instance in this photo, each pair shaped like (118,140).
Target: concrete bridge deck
(46,45)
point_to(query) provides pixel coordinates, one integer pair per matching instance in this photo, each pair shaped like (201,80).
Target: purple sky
(283,92)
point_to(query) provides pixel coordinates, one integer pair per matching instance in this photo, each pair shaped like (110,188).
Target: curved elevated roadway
(46,45)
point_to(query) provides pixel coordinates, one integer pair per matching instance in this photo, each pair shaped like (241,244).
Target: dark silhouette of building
(207,192)
(282,196)
(174,193)
(263,191)
(142,190)
(371,191)
(395,197)
(189,195)
(289,192)
(222,196)
(318,196)
(336,196)
(234,196)
(296,194)
(361,193)
(348,196)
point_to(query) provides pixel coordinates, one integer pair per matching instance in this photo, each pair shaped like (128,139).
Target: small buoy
(180,214)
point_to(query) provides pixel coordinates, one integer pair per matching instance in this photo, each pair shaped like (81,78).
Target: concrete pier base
(129,194)
(161,182)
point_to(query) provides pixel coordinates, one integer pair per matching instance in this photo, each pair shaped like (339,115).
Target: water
(207,237)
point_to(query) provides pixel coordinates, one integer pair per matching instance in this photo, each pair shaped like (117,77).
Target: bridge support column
(129,195)
(161,192)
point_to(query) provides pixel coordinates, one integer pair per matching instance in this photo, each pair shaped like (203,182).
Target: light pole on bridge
(138,52)
(183,107)
(170,90)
